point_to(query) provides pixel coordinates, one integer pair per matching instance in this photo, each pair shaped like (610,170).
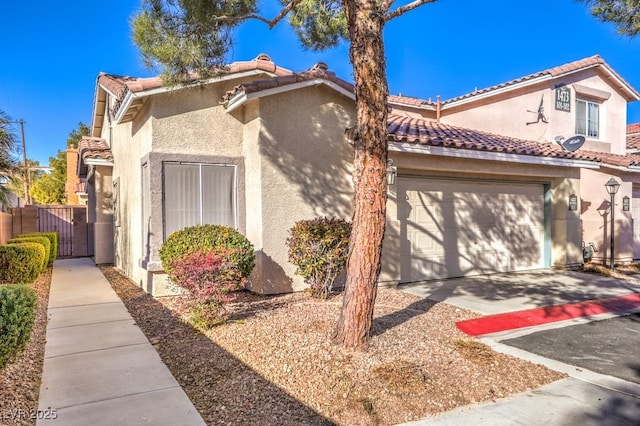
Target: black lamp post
(612,186)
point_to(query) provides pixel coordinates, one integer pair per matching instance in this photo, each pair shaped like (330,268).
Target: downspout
(438,109)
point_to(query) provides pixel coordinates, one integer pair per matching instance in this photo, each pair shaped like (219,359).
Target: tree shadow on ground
(547,289)
(619,410)
(223,389)
(387,322)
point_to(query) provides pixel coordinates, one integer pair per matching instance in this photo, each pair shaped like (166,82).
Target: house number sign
(563,99)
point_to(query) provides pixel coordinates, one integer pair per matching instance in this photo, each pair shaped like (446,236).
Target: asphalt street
(608,347)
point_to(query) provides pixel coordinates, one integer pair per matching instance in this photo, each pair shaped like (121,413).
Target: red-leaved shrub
(207,276)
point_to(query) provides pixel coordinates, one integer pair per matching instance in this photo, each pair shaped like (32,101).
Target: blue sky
(53,52)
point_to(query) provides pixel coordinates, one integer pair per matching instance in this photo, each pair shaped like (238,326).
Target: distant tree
(624,14)
(49,188)
(8,164)
(77,134)
(16,182)
(193,35)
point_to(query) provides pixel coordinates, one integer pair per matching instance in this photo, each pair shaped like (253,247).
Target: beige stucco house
(481,184)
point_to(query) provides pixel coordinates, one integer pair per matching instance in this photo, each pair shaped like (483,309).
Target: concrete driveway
(508,292)
(586,397)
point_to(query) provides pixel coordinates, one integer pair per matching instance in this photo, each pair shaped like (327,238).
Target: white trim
(490,156)
(97,162)
(471,97)
(239,99)
(632,168)
(126,103)
(634,94)
(131,96)
(489,93)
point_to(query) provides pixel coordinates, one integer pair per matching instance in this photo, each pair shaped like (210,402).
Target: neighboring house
(482,186)
(586,98)
(75,187)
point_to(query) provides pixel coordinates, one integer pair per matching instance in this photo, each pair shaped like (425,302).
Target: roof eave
(241,97)
(490,156)
(495,92)
(97,162)
(131,96)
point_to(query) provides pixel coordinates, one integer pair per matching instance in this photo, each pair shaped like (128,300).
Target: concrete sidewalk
(585,398)
(99,368)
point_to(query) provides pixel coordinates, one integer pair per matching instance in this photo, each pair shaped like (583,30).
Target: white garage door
(452,228)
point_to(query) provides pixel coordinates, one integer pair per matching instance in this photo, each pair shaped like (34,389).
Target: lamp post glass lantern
(612,187)
(392,171)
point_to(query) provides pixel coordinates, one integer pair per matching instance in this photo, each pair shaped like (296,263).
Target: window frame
(201,189)
(587,129)
(150,258)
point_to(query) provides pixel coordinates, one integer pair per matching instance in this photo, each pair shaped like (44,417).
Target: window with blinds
(587,118)
(198,194)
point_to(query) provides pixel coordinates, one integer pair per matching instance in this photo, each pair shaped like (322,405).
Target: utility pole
(25,166)
(27,172)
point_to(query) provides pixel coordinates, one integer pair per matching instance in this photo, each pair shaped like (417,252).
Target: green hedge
(209,237)
(17,314)
(46,243)
(53,237)
(21,263)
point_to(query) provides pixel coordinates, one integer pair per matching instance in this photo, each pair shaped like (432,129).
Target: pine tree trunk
(369,135)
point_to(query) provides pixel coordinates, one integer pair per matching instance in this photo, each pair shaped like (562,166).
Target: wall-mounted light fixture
(392,172)
(573,202)
(626,204)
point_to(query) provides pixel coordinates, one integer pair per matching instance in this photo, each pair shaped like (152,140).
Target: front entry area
(454,228)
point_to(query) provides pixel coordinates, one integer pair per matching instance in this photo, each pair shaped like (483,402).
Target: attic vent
(263,57)
(320,66)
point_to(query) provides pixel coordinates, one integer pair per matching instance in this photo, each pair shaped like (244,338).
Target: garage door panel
(457,228)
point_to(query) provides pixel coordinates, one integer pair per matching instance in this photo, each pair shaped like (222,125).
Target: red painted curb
(548,314)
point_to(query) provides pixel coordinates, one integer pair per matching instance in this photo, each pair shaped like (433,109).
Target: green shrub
(21,263)
(53,237)
(319,248)
(46,243)
(204,238)
(17,314)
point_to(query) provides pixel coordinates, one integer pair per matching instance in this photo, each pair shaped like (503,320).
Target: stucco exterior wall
(192,121)
(304,171)
(596,216)
(188,125)
(508,114)
(6,225)
(129,142)
(103,224)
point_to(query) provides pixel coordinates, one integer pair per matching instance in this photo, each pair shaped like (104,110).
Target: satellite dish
(574,143)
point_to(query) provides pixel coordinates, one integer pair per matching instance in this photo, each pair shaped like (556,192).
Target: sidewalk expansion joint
(101,349)
(115,398)
(94,323)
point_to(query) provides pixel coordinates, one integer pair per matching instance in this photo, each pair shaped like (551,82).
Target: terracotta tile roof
(405,100)
(80,188)
(633,141)
(119,86)
(431,133)
(558,71)
(633,128)
(318,71)
(94,148)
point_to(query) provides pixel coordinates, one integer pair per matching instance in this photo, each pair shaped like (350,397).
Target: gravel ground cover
(20,379)
(275,363)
